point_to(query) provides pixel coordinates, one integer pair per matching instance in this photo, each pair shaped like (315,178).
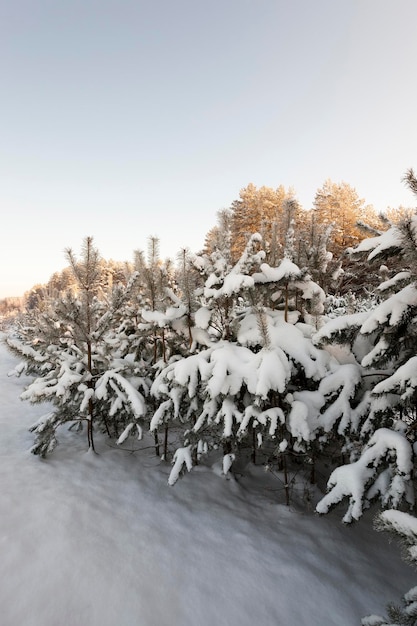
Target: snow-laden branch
(355,480)
(403,381)
(392,311)
(387,241)
(124,390)
(182,457)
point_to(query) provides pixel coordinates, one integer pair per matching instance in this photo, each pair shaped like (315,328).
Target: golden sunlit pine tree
(258,210)
(338,205)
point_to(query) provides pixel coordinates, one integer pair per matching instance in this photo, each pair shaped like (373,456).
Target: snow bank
(102,540)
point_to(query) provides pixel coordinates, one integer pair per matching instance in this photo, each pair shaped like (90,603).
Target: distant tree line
(339,219)
(11,306)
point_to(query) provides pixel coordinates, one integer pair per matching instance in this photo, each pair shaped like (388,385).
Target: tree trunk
(166,443)
(286,303)
(90,435)
(286,484)
(253,446)
(313,471)
(156,440)
(164,353)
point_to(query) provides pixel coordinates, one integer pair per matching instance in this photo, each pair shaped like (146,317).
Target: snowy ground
(101,540)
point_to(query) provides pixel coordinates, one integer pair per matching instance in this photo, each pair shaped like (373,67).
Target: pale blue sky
(123,119)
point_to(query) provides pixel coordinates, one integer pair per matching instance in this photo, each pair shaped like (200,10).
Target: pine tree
(220,236)
(338,205)
(153,283)
(259,210)
(237,389)
(383,342)
(314,240)
(187,280)
(161,316)
(79,367)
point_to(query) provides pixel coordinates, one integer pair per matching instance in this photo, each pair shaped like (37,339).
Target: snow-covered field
(102,540)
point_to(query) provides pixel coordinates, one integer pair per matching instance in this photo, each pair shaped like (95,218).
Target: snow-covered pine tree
(214,320)
(313,242)
(383,344)
(241,384)
(187,282)
(153,282)
(161,322)
(220,236)
(81,367)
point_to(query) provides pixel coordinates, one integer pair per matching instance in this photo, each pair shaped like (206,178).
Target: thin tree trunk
(90,435)
(166,442)
(286,304)
(156,439)
(313,471)
(164,353)
(155,348)
(190,336)
(286,485)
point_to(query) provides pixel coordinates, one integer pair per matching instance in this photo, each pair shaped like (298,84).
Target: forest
(288,341)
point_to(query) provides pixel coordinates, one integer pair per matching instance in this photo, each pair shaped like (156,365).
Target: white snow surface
(103,540)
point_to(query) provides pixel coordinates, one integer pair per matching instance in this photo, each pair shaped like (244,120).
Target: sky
(125,119)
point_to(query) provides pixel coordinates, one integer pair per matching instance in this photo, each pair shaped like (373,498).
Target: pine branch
(411,181)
